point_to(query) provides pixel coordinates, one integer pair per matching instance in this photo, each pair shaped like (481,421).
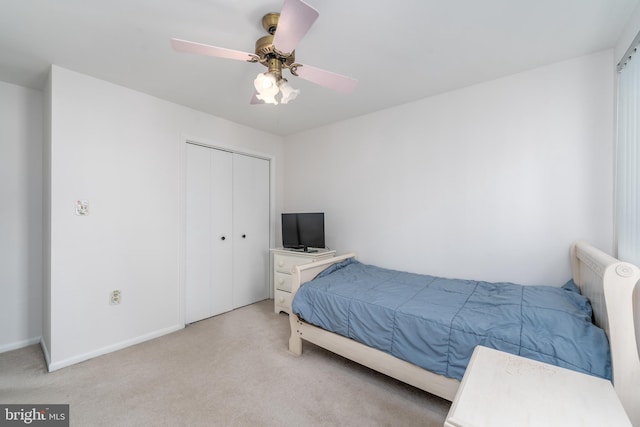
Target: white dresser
(283,261)
(502,390)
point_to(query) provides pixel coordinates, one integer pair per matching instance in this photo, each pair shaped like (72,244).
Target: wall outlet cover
(82,207)
(115,297)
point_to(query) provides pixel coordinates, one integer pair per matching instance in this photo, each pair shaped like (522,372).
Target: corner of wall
(46,217)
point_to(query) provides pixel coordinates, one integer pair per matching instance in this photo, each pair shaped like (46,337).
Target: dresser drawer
(282,281)
(284,263)
(282,301)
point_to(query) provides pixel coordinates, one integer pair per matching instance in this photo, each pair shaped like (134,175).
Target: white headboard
(613,290)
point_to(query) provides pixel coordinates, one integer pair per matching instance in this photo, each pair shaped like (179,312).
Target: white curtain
(628,158)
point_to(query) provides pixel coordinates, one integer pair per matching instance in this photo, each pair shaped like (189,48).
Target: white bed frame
(610,285)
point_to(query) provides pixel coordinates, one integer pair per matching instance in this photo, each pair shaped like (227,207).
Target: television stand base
(304,250)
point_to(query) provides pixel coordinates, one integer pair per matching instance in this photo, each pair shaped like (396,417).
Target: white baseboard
(53,366)
(45,352)
(19,344)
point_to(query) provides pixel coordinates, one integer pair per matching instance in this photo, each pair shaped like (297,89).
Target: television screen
(303,230)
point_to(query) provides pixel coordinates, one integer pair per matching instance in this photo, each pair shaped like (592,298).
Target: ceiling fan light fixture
(273,89)
(288,92)
(267,87)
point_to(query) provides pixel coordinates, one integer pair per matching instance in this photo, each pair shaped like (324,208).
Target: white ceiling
(399,51)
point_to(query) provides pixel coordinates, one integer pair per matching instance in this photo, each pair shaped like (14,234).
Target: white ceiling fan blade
(205,49)
(296,17)
(327,79)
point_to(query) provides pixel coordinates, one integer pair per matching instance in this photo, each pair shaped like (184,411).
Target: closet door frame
(183,223)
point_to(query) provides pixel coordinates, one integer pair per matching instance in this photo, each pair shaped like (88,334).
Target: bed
(608,284)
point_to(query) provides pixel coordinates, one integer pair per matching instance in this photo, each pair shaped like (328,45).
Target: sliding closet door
(209,246)
(227,231)
(251,230)
(221,231)
(198,236)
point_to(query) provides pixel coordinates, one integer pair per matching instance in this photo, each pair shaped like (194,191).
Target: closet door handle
(244,236)
(222,238)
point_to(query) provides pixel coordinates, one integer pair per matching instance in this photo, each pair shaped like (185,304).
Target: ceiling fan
(276,51)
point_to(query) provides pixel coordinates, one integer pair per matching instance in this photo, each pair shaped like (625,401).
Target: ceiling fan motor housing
(264,45)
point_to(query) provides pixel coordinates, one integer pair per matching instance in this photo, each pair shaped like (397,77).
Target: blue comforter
(436,323)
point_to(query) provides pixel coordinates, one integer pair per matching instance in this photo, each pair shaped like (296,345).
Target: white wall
(122,151)
(489,182)
(20,216)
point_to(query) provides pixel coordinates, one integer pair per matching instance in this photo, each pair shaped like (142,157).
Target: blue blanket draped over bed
(436,323)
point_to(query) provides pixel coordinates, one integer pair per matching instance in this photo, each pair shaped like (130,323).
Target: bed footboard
(301,274)
(612,288)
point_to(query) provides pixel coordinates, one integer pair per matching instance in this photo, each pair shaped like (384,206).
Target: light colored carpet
(230,370)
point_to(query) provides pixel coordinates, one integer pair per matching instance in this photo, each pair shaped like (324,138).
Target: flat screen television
(302,231)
